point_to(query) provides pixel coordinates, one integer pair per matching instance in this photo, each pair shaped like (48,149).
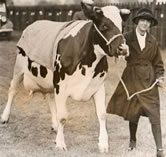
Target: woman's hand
(124,50)
(160,82)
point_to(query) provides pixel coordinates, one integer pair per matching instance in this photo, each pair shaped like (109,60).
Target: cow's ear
(124,14)
(91,12)
(97,15)
(87,9)
(98,11)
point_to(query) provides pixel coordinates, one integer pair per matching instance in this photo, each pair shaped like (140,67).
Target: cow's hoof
(54,128)
(103,148)
(4,120)
(61,146)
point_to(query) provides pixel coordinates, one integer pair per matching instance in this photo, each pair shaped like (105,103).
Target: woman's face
(143,25)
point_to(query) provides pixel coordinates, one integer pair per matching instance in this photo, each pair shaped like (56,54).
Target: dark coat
(143,67)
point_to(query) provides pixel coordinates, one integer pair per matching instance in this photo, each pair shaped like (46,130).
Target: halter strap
(108,42)
(113,38)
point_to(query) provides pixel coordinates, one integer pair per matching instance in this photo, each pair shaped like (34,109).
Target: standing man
(81,15)
(144,66)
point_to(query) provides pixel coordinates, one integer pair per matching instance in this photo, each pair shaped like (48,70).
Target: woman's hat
(145,13)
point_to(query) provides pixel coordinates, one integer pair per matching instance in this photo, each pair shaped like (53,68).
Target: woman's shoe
(160,153)
(132,145)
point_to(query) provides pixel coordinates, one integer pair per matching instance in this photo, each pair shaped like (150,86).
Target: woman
(144,66)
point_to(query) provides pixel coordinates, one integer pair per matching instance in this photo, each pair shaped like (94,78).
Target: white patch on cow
(86,85)
(113,13)
(58,61)
(99,50)
(75,30)
(35,65)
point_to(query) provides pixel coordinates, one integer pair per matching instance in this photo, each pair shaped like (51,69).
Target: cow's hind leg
(17,79)
(99,98)
(62,115)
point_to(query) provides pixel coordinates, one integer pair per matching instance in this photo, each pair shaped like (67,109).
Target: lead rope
(129,97)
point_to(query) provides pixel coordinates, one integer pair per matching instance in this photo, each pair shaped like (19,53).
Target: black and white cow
(80,70)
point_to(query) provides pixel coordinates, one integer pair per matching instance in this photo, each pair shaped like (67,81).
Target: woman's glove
(160,82)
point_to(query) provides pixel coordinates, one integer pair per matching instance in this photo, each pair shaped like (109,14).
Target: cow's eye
(103,28)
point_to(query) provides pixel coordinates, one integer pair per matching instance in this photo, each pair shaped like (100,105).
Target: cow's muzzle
(123,49)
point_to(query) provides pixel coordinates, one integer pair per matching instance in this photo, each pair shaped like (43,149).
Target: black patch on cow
(102,74)
(29,64)
(62,73)
(57,89)
(83,71)
(59,74)
(56,77)
(21,51)
(43,71)
(100,41)
(101,67)
(80,66)
(34,71)
(55,64)
(88,61)
(57,67)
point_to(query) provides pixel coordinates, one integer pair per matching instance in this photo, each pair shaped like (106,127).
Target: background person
(144,66)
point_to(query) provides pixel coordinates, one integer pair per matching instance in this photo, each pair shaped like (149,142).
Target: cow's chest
(85,80)
(82,87)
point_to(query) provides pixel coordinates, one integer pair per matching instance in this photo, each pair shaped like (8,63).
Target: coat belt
(138,62)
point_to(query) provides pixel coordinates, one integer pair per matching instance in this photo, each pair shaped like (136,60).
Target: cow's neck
(96,54)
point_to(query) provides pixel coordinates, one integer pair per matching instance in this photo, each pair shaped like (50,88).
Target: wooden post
(153,5)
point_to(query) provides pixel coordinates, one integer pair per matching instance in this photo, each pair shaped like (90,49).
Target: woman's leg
(156,130)
(133,130)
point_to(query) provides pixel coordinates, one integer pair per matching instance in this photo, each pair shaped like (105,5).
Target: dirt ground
(29,134)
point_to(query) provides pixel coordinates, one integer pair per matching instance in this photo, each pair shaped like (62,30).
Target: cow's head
(108,24)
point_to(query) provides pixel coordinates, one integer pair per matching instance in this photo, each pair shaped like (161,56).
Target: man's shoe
(160,153)
(132,145)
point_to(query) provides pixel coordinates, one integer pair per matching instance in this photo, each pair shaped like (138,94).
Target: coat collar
(134,41)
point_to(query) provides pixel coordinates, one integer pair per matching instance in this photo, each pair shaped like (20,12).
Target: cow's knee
(17,79)
(62,113)
(63,120)
(62,117)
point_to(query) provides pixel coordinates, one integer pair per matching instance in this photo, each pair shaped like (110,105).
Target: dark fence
(23,16)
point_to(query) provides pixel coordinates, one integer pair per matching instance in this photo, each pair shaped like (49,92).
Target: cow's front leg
(99,98)
(53,111)
(62,115)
